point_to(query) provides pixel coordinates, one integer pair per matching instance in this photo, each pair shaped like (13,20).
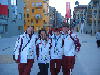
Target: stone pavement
(87,60)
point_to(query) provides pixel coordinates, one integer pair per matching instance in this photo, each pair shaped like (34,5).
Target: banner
(3,10)
(13,2)
(68,13)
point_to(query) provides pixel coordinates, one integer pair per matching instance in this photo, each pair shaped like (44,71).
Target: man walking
(24,51)
(43,52)
(56,53)
(69,52)
(98,38)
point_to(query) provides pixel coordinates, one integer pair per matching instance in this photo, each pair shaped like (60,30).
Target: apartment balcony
(38,16)
(95,3)
(45,1)
(89,20)
(3,21)
(37,5)
(89,11)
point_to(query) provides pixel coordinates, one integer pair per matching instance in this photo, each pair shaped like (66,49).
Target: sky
(60,5)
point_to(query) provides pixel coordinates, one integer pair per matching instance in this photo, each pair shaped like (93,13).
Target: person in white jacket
(56,53)
(43,52)
(98,38)
(24,51)
(68,53)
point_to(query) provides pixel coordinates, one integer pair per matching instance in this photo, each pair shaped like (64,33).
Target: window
(39,4)
(20,27)
(24,4)
(24,15)
(32,10)
(31,20)
(44,21)
(28,10)
(44,11)
(3,28)
(36,21)
(33,4)
(20,16)
(28,20)
(45,0)
(24,22)
(27,15)
(6,28)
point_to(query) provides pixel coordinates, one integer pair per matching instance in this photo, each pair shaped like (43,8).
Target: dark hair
(31,32)
(39,32)
(31,26)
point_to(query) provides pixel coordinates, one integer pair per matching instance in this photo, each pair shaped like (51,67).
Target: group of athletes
(55,49)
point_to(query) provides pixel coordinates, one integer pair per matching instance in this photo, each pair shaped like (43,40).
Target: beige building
(93,17)
(36,13)
(79,14)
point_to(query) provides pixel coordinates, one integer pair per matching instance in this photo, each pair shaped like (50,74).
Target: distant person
(98,38)
(24,51)
(82,28)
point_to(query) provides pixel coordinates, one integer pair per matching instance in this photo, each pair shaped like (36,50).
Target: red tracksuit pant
(25,68)
(55,66)
(67,64)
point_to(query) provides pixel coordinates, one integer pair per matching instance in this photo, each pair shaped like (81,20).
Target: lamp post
(93,18)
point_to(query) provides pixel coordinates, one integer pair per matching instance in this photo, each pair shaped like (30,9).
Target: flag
(4,10)
(68,15)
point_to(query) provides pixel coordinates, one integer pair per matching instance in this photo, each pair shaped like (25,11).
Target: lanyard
(56,51)
(43,44)
(44,57)
(65,36)
(56,40)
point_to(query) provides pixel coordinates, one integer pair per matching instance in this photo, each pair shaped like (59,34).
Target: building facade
(90,15)
(36,13)
(79,15)
(93,17)
(11,18)
(55,18)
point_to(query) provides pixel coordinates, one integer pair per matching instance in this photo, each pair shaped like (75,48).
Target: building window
(20,16)
(28,10)
(45,0)
(33,4)
(24,22)
(44,21)
(27,15)
(3,28)
(32,10)
(39,4)
(36,21)
(44,11)
(20,27)
(6,28)
(24,16)
(24,4)
(28,20)
(31,20)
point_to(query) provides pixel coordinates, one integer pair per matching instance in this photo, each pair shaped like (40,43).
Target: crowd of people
(54,49)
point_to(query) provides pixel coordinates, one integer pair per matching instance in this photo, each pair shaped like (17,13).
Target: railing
(3,21)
